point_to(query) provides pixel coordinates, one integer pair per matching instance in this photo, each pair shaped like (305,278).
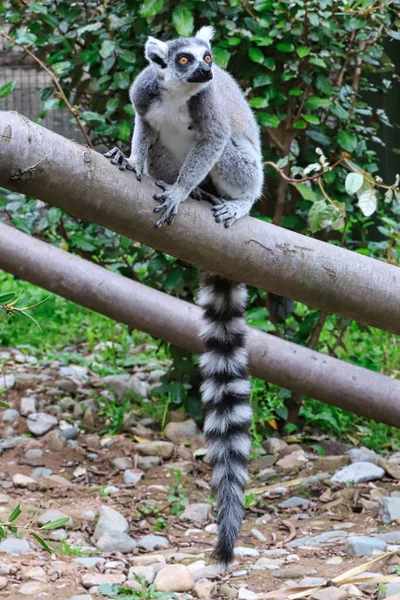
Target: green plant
(124,593)
(112,414)
(161,525)
(9,526)
(65,549)
(177,496)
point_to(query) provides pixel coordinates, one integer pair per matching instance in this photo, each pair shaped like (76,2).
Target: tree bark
(42,164)
(283,363)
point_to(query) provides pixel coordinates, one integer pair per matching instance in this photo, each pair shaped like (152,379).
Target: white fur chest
(170,117)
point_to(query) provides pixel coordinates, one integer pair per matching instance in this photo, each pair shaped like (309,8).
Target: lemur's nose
(204,68)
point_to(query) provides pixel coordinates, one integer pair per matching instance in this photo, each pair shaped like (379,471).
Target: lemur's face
(186,60)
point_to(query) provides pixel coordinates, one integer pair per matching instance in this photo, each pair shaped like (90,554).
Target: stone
(109,520)
(389,509)
(328,537)
(12,545)
(138,387)
(330,593)
(53,515)
(116,541)
(294,461)
(295,572)
(94,579)
(196,512)
(153,542)
(390,468)
(244,551)
(358,473)
(392,591)
(119,385)
(362,455)
(185,467)
(89,562)
(122,463)
(264,462)
(4,499)
(23,481)
(181,432)
(74,371)
(34,454)
(40,423)
(90,418)
(245,594)
(361,545)
(3,582)
(162,449)
(268,563)
(274,445)
(266,474)
(132,477)
(155,376)
(10,415)
(70,433)
(207,572)
(391,537)
(312,581)
(27,405)
(145,560)
(35,573)
(82,597)
(7,382)
(148,462)
(55,441)
(228,591)
(295,502)
(174,578)
(204,589)
(147,573)
(67,385)
(31,588)
(259,536)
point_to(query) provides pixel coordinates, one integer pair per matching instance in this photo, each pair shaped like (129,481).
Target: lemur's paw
(117,157)
(172,198)
(226,212)
(197,194)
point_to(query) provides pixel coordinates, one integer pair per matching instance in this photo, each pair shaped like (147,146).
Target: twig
(56,83)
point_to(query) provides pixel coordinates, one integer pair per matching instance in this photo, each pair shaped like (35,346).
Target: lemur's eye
(208,58)
(183,60)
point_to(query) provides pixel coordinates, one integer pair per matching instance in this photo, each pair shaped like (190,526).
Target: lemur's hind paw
(230,211)
(117,157)
(197,194)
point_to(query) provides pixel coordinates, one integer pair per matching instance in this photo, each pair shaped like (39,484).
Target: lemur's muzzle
(202,74)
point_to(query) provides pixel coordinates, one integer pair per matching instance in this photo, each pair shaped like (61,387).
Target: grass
(75,335)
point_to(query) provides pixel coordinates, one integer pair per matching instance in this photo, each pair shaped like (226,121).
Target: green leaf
(322,215)
(15,514)
(92,117)
(318,62)
(295,92)
(112,104)
(107,48)
(367,200)
(347,140)
(256,55)
(306,192)
(182,20)
(268,120)
(388,196)
(128,56)
(300,124)
(303,51)
(4,405)
(55,524)
(41,542)
(262,79)
(150,8)
(7,88)
(311,119)
(315,102)
(89,28)
(24,37)
(353,183)
(221,56)
(124,131)
(4,298)
(394,34)
(259,102)
(285,47)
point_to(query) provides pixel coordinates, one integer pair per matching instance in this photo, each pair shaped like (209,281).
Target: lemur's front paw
(172,197)
(226,212)
(117,157)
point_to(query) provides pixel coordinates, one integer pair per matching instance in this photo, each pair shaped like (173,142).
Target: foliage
(315,73)
(124,593)
(10,526)
(176,495)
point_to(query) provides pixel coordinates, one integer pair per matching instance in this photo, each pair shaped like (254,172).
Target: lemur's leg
(238,177)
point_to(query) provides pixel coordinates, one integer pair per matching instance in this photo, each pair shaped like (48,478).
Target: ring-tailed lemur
(193,127)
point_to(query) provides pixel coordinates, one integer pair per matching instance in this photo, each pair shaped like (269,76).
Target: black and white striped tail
(225,396)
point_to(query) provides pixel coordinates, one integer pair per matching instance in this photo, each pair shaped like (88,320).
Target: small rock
(312,581)
(203,589)
(16,546)
(153,542)
(53,515)
(244,551)
(132,477)
(196,512)
(389,509)
(31,588)
(10,415)
(67,385)
(362,455)
(328,537)
(27,405)
(89,562)
(155,376)
(138,387)
(3,582)
(266,474)
(392,591)
(116,541)
(94,579)
(109,520)
(330,593)
(245,594)
(147,462)
(40,423)
(391,537)
(295,502)
(82,597)
(211,528)
(7,382)
(228,590)
(274,445)
(361,545)
(119,385)
(162,449)
(174,578)
(268,563)
(147,573)
(180,432)
(185,467)
(295,572)
(358,473)
(122,463)
(4,499)
(35,573)
(391,469)
(259,536)
(264,462)
(331,463)
(291,462)
(57,481)
(55,441)
(23,481)
(146,560)
(70,433)
(34,454)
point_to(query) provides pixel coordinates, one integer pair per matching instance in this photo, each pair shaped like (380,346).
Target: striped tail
(225,396)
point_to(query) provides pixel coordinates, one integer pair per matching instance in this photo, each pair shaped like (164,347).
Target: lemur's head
(185,60)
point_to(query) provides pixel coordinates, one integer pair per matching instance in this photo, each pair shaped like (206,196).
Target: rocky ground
(141,518)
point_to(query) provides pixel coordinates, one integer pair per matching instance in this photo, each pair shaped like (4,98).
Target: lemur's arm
(143,136)
(214,134)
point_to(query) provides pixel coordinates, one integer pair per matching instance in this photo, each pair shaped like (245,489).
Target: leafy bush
(314,72)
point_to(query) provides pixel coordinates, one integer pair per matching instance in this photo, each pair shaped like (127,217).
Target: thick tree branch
(286,364)
(38,162)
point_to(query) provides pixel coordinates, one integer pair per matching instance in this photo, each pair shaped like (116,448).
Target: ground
(70,463)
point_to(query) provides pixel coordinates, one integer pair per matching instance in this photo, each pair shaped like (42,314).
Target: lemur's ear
(206,33)
(156,51)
